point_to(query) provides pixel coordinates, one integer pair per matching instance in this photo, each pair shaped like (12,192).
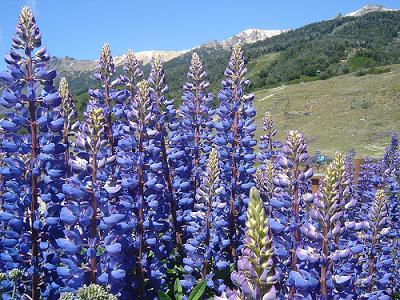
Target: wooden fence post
(357,168)
(315,183)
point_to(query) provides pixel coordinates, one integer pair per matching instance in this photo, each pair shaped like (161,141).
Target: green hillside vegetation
(316,51)
(334,79)
(330,48)
(337,114)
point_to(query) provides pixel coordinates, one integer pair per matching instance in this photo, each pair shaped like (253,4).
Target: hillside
(306,77)
(316,51)
(368,9)
(75,70)
(340,113)
(330,48)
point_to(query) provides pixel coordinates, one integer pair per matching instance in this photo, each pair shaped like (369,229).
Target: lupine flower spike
(235,139)
(34,162)
(208,242)
(68,111)
(256,275)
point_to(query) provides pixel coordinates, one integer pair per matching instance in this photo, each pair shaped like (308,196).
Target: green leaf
(178,290)
(198,291)
(163,296)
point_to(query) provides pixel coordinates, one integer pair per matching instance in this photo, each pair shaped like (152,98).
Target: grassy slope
(344,112)
(255,66)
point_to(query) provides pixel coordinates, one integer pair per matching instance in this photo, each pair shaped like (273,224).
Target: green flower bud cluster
(91,292)
(15,274)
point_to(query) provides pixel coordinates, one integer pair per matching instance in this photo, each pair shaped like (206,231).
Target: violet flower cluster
(141,193)
(235,140)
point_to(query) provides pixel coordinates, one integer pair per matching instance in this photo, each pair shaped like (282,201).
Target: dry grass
(337,114)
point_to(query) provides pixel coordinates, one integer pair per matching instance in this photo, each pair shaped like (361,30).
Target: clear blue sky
(78,28)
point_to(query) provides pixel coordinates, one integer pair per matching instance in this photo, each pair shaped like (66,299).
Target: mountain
(337,61)
(69,64)
(369,8)
(316,51)
(79,72)
(145,56)
(248,36)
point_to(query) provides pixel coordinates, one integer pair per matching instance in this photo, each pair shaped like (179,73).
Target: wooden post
(357,168)
(315,183)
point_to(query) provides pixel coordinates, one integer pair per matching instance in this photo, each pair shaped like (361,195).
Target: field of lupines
(146,200)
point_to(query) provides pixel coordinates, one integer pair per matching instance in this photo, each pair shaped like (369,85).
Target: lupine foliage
(144,199)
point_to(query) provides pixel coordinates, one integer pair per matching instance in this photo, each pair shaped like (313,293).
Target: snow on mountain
(368,9)
(249,36)
(244,37)
(146,56)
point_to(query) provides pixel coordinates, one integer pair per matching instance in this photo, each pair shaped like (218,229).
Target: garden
(143,198)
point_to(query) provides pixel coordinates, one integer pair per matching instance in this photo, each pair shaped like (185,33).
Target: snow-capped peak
(368,9)
(146,56)
(249,36)
(245,37)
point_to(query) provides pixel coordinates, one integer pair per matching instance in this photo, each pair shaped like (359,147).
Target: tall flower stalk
(268,147)
(106,71)
(191,140)
(197,114)
(109,99)
(166,114)
(153,232)
(235,138)
(256,276)
(330,207)
(207,245)
(37,158)
(378,264)
(68,111)
(264,179)
(140,110)
(85,198)
(292,179)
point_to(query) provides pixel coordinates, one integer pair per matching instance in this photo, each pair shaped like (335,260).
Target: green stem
(14,290)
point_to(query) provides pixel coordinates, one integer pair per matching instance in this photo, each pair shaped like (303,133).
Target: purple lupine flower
(388,170)
(153,234)
(197,114)
(165,113)
(33,165)
(378,261)
(394,201)
(365,189)
(208,243)
(289,216)
(122,213)
(269,149)
(69,114)
(338,248)
(235,139)
(110,213)
(86,198)
(118,204)
(264,180)
(110,99)
(133,74)
(191,139)
(391,153)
